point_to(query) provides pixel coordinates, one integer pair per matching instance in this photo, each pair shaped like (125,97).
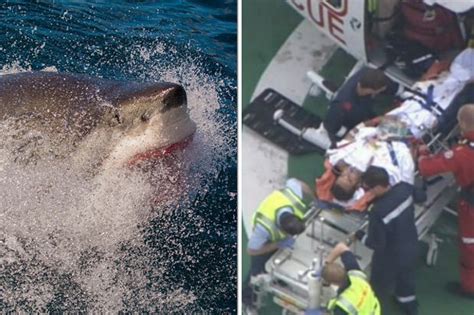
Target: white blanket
(446,87)
(367,150)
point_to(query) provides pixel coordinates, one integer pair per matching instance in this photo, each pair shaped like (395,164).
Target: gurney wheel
(432,256)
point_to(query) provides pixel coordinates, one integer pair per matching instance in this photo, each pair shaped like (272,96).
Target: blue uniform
(348,109)
(393,236)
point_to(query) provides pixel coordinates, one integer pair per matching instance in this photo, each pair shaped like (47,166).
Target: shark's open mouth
(160,152)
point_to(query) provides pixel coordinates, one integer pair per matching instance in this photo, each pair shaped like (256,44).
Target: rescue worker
(458,161)
(354,295)
(278,218)
(353,103)
(392,235)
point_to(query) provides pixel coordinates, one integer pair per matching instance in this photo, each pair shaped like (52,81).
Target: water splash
(70,241)
(151,240)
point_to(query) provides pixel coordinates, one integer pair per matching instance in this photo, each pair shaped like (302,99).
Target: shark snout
(174,96)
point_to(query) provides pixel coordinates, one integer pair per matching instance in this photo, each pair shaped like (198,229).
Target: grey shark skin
(129,117)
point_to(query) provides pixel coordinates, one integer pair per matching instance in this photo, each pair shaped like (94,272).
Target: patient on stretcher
(381,146)
(426,103)
(424,112)
(387,145)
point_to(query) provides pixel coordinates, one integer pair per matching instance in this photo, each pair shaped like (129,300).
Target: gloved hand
(319,272)
(359,235)
(288,242)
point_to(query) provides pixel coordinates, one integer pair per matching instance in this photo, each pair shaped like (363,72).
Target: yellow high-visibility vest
(266,214)
(358,298)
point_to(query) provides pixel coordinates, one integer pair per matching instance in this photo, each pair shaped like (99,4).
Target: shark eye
(145,117)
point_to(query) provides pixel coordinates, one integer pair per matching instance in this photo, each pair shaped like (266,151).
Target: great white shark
(131,121)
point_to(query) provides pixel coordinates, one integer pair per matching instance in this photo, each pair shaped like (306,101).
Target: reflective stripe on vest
(358,298)
(468,240)
(406,299)
(398,211)
(266,214)
(346,305)
(296,202)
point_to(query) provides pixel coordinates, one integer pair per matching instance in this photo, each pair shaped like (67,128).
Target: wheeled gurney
(291,274)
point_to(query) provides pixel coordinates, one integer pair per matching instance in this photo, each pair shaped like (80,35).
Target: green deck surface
(266,25)
(258,46)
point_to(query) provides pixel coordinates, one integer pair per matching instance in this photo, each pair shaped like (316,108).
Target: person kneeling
(278,218)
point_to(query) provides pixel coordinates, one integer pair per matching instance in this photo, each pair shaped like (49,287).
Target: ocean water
(160,239)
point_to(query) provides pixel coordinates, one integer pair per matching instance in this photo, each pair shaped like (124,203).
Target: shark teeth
(160,152)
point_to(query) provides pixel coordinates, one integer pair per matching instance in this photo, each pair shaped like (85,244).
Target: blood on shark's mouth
(160,152)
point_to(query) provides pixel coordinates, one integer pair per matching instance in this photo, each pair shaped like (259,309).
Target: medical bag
(432,26)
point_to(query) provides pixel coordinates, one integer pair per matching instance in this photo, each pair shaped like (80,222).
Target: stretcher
(292,277)
(425,102)
(260,116)
(424,115)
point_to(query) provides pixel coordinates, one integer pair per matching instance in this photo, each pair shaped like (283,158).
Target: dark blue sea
(119,256)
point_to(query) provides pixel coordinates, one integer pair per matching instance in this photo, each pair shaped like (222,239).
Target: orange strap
(363,203)
(325,182)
